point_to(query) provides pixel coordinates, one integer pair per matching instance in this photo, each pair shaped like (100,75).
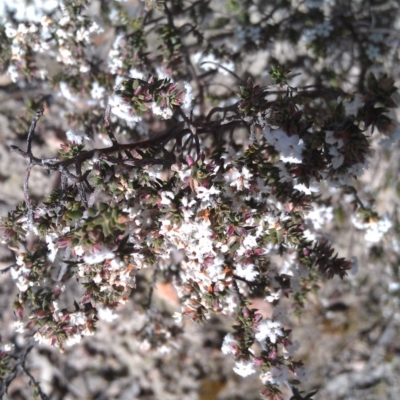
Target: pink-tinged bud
(94,236)
(231,229)
(63,242)
(248,215)
(202,156)
(258,252)
(189,161)
(171,88)
(64,147)
(208,260)
(65,318)
(40,314)
(258,362)
(272,355)
(286,342)
(53,341)
(250,83)
(9,233)
(138,91)
(306,251)
(241,231)
(246,312)
(20,312)
(96,248)
(257,317)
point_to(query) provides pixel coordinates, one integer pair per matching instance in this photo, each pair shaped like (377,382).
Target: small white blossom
(373,52)
(10,30)
(229,345)
(204,194)
(19,326)
(74,339)
(188,99)
(289,147)
(78,318)
(166,112)
(247,272)
(106,314)
(97,91)
(302,374)
(98,256)
(122,108)
(209,61)
(75,137)
(276,376)
(8,347)
(51,247)
(244,368)
(42,339)
(268,329)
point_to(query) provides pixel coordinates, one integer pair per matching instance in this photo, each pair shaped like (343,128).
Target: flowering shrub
(176,164)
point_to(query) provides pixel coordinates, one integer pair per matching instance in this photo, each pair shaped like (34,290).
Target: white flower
(301,187)
(289,147)
(106,314)
(331,139)
(209,61)
(10,30)
(98,256)
(373,52)
(166,112)
(19,326)
(319,216)
(135,74)
(76,338)
(204,194)
(97,91)
(177,316)
(8,347)
(244,368)
(13,72)
(166,197)
(239,179)
(78,318)
(230,345)
(66,92)
(51,248)
(20,278)
(82,35)
(301,373)
(268,329)
(188,100)
(246,272)
(66,56)
(289,349)
(375,230)
(276,376)
(273,296)
(352,107)
(122,109)
(42,339)
(337,158)
(75,137)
